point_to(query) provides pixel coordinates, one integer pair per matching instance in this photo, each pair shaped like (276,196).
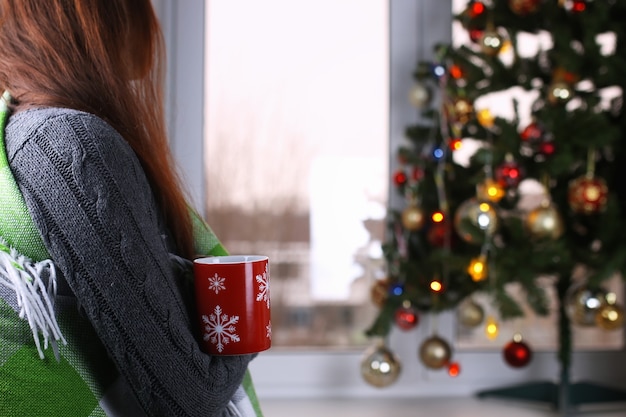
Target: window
(315,373)
(296,140)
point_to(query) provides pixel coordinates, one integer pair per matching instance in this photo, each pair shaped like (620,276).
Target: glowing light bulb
(456,72)
(491,328)
(439,70)
(436,286)
(485,118)
(454,369)
(455,144)
(437,217)
(477,268)
(491,190)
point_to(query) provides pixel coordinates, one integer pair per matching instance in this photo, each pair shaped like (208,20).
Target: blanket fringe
(35,299)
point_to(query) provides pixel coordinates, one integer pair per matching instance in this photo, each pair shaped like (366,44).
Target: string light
(436,286)
(439,70)
(491,328)
(456,72)
(491,190)
(455,144)
(485,118)
(437,217)
(484,217)
(477,268)
(454,369)
(397,289)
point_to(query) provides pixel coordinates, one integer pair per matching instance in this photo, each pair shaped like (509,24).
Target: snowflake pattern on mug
(268,330)
(220,329)
(216,283)
(264,287)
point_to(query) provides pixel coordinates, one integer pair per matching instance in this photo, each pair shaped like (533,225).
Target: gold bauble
(413,218)
(380,292)
(584,303)
(470,313)
(524,7)
(420,95)
(435,352)
(545,222)
(380,367)
(560,93)
(462,111)
(475,219)
(588,194)
(610,317)
(491,42)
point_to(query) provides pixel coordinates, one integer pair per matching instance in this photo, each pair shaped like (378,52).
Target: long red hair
(105,57)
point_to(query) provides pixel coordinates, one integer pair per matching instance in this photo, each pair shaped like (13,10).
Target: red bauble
(524,7)
(546,148)
(579,6)
(440,234)
(399,178)
(587,195)
(509,174)
(537,140)
(473,19)
(417,174)
(517,354)
(476,34)
(406,318)
(476,9)
(533,133)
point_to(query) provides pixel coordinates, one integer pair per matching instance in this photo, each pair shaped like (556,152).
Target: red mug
(233,303)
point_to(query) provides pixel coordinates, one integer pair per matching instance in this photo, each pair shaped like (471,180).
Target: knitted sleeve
(89,198)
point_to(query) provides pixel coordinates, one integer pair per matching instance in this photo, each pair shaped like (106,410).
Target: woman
(86,145)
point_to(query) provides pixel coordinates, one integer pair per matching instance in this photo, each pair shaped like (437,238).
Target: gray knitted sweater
(89,198)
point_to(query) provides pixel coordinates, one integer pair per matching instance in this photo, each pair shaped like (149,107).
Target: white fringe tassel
(34,299)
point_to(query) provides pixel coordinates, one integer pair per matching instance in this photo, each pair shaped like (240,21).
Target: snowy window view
(296,141)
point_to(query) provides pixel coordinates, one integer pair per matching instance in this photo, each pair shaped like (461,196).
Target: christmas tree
(469,224)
